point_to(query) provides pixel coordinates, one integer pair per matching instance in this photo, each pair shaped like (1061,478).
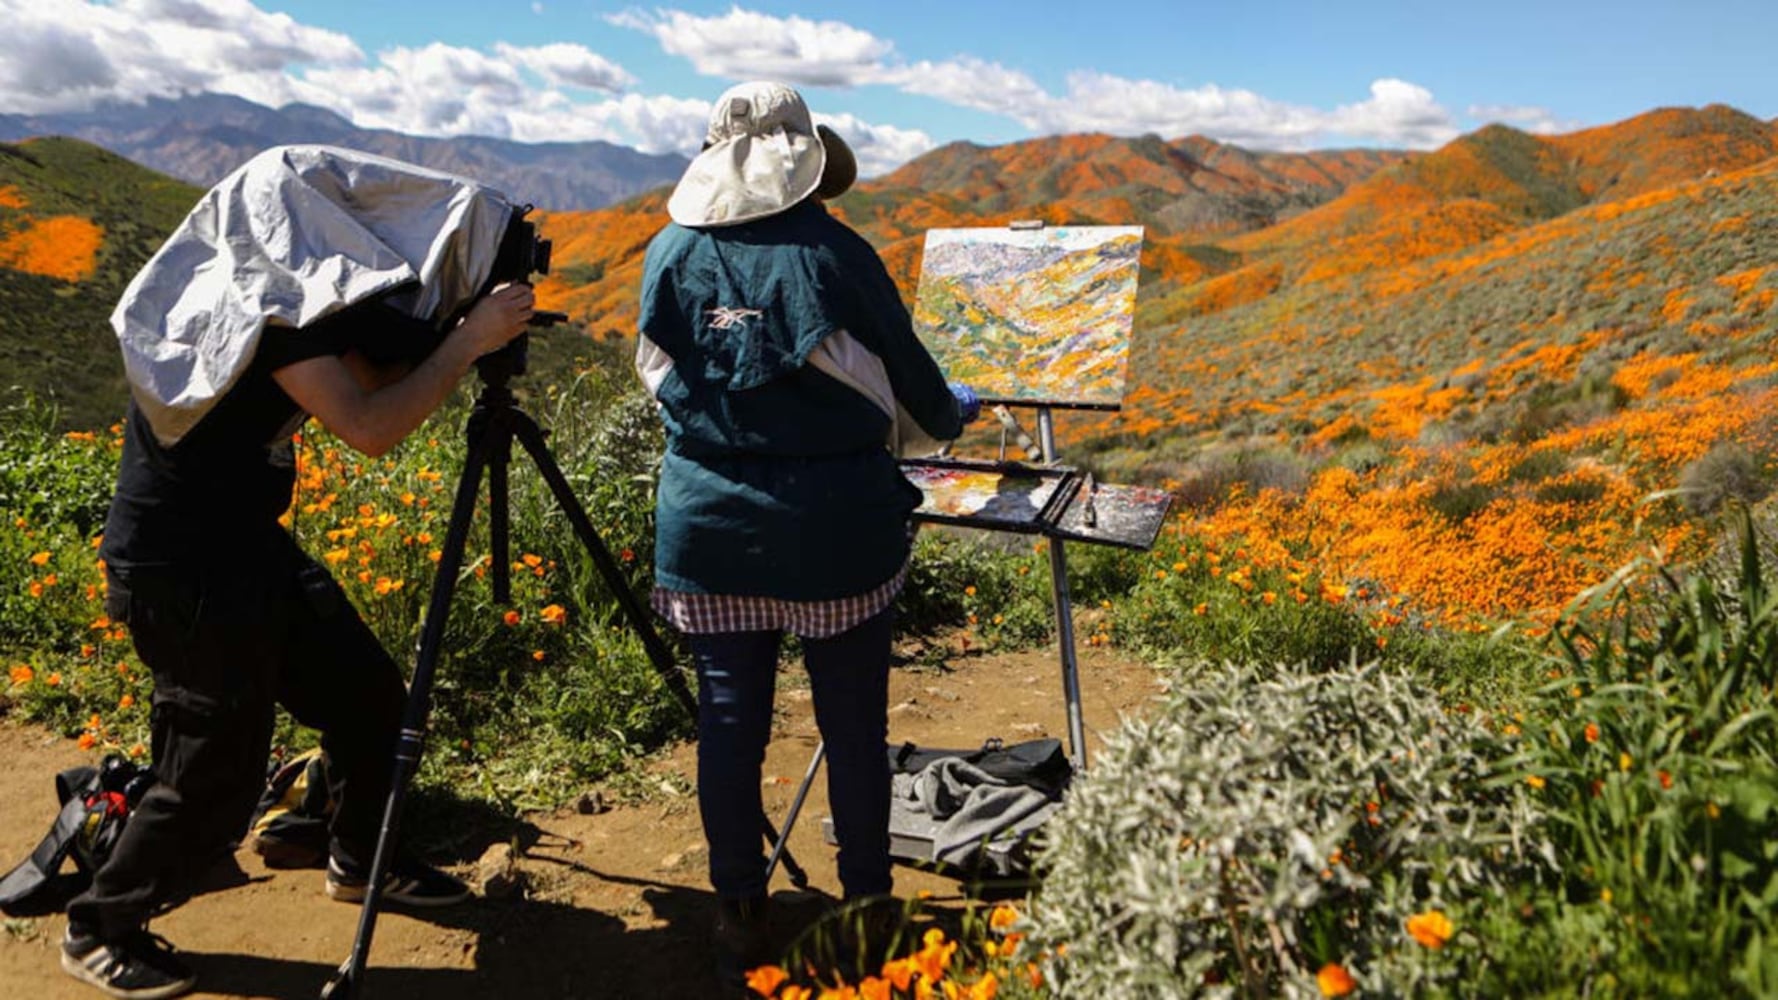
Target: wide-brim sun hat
(762,154)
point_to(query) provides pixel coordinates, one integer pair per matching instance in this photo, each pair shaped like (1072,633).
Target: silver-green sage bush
(1278,831)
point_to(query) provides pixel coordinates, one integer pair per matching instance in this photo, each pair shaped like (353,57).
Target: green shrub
(1269,821)
(971,579)
(1539,465)
(1252,467)
(1458,502)
(48,477)
(1728,471)
(1660,761)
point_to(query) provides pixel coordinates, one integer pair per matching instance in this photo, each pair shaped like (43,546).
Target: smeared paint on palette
(1011,497)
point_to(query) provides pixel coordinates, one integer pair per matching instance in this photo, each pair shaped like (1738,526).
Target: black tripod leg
(531,436)
(349,980)
(499,516)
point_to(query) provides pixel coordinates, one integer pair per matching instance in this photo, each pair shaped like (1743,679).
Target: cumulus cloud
(652,124)
(1398,113)
(745,44)
(46,66)
(435,90)
(71,55)
(83,52)
(565,64)
(974,83)
(879,148)
(1528,117)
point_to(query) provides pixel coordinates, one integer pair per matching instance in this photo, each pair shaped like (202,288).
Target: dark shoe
(743,937)
(409,884)
(140,966)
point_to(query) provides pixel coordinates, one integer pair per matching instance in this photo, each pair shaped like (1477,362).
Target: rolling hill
(76,223)
(1186,192)
(1457,374)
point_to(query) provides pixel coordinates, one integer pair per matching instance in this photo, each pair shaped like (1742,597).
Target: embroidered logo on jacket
(729,317)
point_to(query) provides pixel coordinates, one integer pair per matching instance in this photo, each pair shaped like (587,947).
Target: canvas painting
(1031,316)
(1007,496)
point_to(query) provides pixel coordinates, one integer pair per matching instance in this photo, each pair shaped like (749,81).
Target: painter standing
(788,376)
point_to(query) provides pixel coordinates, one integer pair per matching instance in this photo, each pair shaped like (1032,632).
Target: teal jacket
(777,481)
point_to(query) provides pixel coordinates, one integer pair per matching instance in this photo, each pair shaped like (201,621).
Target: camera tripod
(493,425)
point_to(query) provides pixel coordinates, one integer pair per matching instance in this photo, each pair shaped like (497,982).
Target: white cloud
(746,45)
(652,124)
(1527,117)
(72,54)
(69,55)
(435,90)
(878,148)
(1397,113)
(82,53)
(564,64)
(974,83)
(1100,102)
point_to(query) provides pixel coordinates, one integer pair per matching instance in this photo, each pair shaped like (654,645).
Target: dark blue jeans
(849,678)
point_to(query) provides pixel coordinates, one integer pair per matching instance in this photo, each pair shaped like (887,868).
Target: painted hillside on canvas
(1031,315)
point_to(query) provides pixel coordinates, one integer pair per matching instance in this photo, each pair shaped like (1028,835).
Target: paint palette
(1129,517)
(1003,496)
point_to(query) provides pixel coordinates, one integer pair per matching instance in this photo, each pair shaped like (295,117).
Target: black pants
(224,644)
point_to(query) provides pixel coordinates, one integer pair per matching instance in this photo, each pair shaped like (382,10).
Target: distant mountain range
(200,138)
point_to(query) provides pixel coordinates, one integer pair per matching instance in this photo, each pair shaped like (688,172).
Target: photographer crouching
(304,285)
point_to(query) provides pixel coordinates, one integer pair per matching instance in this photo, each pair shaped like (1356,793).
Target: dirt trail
(617,904)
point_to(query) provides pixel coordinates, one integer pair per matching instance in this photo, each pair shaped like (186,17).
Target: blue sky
(900,77)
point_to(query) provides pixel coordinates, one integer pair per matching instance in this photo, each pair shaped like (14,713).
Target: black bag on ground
(1039,764)
(96,803)
(974,810)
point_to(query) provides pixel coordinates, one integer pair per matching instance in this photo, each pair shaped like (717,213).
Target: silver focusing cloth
(294,234)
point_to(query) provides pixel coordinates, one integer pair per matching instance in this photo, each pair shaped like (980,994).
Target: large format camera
(522,254)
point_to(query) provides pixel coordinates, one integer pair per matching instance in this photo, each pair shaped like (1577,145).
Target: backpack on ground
(96,803)
(289,828)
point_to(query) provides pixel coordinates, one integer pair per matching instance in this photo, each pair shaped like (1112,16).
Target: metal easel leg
(1077,742)
(796,808)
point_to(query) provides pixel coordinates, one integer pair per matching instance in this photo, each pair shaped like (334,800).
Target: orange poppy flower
(1334,981)
(1431,928)
(766,979)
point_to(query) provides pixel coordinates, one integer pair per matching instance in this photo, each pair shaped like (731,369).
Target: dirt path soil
(617,903)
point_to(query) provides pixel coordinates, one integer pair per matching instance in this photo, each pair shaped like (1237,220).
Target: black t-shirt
(223,486)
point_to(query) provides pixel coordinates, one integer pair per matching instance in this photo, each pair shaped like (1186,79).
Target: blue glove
(967,403)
